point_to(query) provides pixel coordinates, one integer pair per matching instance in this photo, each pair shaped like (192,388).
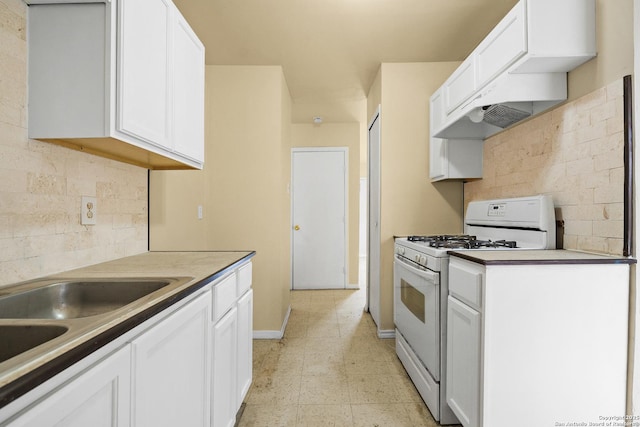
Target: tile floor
(330,369)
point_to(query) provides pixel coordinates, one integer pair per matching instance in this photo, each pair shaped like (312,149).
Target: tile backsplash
(574,153)
(41,184)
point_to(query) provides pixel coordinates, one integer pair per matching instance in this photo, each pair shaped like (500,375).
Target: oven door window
(413,299)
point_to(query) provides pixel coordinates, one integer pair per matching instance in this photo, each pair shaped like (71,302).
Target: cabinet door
(504,45)
(455,158)
(437,158)
(144,56)
(225,335)
(98,397)
(178,396)
(461,85)
(245,345)
(436,112)
(188,91)
(463,362)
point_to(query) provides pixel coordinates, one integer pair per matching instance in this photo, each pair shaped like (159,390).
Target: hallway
(330,369)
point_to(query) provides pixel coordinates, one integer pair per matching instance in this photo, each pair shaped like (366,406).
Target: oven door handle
(425,274)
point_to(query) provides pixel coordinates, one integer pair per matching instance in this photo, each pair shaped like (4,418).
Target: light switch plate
(89,211)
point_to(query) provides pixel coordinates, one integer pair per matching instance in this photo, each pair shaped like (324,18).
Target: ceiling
(330,50)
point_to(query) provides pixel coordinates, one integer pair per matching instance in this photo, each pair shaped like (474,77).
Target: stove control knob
(423,260)
(417,258)
(401,251)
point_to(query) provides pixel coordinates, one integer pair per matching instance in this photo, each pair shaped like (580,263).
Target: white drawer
(224,296)
(465,282)
(245,274)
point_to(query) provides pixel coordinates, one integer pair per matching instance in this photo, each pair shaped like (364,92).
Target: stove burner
(479,244)
(461,241)
(452,244)
(440,238)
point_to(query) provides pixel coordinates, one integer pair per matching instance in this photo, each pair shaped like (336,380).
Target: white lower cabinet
(171,369)
(520,341)
(232,338)
(463,361)
(225,336)
(245,346)
(98,397)
(191,366)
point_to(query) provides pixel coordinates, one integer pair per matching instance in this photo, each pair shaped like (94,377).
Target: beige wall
(614,33)
(339,135)
(243,186)
(410,203)
(41,184)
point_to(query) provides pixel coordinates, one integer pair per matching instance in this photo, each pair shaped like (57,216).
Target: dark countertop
(203,267)
(537,257)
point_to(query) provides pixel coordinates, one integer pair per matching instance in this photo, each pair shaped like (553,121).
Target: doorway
(319,178)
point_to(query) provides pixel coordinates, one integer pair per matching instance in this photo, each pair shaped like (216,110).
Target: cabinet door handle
(296,227)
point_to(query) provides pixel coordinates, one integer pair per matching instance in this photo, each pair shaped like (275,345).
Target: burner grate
(440,238)
(461,241)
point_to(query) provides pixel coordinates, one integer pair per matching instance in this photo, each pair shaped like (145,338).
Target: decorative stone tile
(582,169)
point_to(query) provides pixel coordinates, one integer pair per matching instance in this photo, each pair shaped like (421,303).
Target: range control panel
(497,209)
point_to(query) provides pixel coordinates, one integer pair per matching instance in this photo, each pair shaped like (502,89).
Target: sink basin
(17,339)
(76,299)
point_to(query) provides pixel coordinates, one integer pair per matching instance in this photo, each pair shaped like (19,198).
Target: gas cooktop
(463,241)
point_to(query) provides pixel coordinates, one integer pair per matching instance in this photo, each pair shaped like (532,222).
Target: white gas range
(421,283)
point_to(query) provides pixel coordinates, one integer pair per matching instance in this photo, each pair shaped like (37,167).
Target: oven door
(416,294)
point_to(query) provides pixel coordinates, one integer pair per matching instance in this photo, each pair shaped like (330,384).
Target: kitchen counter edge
(538,257)
(22,385)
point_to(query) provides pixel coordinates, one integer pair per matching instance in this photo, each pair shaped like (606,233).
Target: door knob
(296,227)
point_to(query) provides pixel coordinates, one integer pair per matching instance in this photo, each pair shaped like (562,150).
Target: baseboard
(273,335)
(389,333)
(267,335)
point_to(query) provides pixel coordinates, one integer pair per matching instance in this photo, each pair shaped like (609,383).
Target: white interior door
(373,258)
(319,229)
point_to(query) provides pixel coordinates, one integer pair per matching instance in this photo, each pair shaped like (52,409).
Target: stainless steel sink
(17,339)
(77,298)
(41,317)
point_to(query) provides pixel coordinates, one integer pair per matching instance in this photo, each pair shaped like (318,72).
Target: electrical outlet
(88,211)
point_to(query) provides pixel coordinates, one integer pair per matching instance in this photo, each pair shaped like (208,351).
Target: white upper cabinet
(144,81)
(455,159)
(121,79)
(451,159)
(462,83)
(436,110)
(561,35)
(525,58)
(188,91)
(503,46)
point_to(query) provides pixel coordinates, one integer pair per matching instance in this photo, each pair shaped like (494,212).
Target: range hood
(505,101)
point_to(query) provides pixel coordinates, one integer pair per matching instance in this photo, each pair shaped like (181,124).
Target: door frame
(344,150)
(373,265)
